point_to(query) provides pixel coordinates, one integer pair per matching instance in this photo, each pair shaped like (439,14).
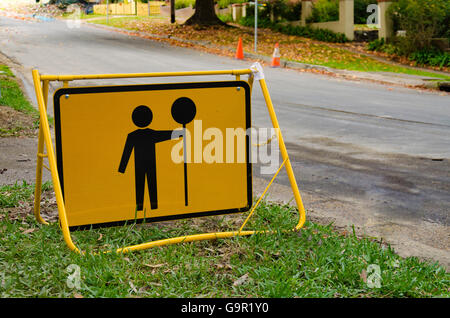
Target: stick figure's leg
(151,179)
(140,188)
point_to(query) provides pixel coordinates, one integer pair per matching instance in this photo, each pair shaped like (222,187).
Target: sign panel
(153,152)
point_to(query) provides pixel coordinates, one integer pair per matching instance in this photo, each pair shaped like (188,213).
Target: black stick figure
(143,141)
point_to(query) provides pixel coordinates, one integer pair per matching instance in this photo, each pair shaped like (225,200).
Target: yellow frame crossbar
(41,86)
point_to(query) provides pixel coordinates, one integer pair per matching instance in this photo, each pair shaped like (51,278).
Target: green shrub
(380,45)
(376,45)
(180,4)
(225,17)
(276,7)
(428,56)
(324,11)
(263,22)
(422,20)
(293,11)
(328,10)
(432,57)
(225,3)
(283,10)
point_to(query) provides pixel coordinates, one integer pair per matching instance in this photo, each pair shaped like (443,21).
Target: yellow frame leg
(52,161)
(285,156)
(40,162)
(44,139)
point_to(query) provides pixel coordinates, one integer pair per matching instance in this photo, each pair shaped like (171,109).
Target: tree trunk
(204,14)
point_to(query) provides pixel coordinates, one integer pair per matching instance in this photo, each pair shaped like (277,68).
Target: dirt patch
(14,123)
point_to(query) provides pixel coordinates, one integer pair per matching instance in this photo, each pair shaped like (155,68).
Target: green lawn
(17,115)
(353,62)
(11,94)
(315,262)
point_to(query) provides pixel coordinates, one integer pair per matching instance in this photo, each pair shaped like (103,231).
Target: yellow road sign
(153,152)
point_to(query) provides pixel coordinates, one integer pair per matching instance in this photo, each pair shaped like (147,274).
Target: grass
(19,117)
(12,195)
(315,262)
(82,16)
(355,62)
(24,120)
(11,94)
(293,48)
(366,27)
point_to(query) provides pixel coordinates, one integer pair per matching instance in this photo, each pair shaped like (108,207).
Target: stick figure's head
(142,116)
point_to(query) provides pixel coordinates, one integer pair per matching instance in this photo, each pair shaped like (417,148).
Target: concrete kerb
(390,79)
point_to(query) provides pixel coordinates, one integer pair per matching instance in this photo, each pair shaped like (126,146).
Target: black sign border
(150,87)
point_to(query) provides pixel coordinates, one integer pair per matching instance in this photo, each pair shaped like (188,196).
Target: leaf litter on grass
(223,40)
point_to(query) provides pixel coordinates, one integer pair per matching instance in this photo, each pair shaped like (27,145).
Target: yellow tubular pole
(52,161)
(64,78)
(284,154)
(40,163)
(261,197)
(184,239)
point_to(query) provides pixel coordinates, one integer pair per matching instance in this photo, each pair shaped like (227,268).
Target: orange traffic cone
(276,57)
(240,50)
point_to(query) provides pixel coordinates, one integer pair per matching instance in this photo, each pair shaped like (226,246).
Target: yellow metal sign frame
(41,85)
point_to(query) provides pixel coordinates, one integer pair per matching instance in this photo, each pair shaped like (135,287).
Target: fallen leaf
(28,231)
(363,275)
(241,280)
(133,288)
(78,296)
(155,266)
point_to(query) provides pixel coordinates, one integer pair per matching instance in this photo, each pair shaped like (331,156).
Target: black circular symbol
(142,116)
(183,110)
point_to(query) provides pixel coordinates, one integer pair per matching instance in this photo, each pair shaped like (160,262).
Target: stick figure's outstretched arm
(163,135)
(126,154)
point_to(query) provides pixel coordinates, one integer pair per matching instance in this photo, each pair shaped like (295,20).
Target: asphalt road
(361,151)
